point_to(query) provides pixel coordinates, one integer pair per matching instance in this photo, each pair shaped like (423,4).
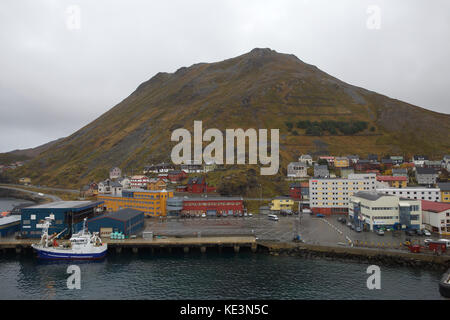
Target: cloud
(60,71)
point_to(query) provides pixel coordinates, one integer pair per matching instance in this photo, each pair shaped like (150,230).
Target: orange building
(156,184)
(151,202)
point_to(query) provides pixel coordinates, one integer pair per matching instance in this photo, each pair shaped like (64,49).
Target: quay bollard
(118,249)
(254,247)
(18,249)
(203,249)
(135,250)
(186,249)
(169,249)
(236,249)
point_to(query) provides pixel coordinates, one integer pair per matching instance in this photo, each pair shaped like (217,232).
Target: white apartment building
(374,210)
(436,216)
(430,194)
(331,196)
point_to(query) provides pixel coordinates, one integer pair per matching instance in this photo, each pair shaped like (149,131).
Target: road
(44,188)
(49,196)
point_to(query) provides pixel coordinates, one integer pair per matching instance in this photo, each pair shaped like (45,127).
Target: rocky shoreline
(9,193)
(441,263)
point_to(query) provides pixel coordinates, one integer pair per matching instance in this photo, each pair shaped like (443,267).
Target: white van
(272,217)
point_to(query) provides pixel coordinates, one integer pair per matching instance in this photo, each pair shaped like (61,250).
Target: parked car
(272,217)
(426,232)
(353,227)
(349,224)
(380,232)
(409,232)
(40,194)
(319,215)
(203,215)
(419,233)
(427,241)
(358,229)
(250,215)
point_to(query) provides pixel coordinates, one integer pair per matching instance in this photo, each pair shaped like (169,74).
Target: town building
(364,165)
(9,225)
(176,176)
(329,159)
(299,191)
(372,158)
(400,172)
(321,171)
(353,159)
(196,185)
(159,168)
(341,162)
(139,181)
(192,166)
(156,184)
(25,181)
(436,216)
(297,170)
(127,221)
(65,214)
(306,158)
(331,196)
(345,172)
(151,202)
(426,176)
(394,182)
(372,210)
(419,160)
(397,160)
(431,194)
(444,188)
(125,182)
(281,204)
(446,162)
(212,206)
(115,173)
(387,163)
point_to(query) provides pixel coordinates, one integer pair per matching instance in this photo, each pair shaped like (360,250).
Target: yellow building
(281,203)
(151,202)
(341,162)
(445,191)
(25,181)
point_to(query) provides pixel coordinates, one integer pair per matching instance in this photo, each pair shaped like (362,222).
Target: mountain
(25,154)
(259,89)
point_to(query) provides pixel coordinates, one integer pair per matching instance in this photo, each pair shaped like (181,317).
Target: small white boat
(82,246)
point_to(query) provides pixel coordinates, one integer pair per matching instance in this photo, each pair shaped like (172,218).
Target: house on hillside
(115,173)
(321,171)
(400,172)
(419,160)
(426,176)
(306,158)
(297,170)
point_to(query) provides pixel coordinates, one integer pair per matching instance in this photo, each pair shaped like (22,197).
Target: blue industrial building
(9,225)
(128,221)
(65,214)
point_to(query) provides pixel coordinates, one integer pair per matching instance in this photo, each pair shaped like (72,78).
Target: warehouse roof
(9,219)
(122,214)
(370,195)
(77,205)
(214,198)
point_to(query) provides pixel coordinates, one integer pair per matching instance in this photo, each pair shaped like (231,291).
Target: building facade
(151,202)
(373,211)
(281,204)
(426,176)
(321,171)
(444,188)
(331,196)
(297,170)
(212,206)
(436,216)
(431,194)
(394,182)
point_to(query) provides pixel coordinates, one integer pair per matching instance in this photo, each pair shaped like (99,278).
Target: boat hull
(444,285)
(54,254)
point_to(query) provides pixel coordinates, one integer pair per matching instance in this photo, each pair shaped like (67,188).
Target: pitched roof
(425,170)
(444,186)
(390,178)
(435,206)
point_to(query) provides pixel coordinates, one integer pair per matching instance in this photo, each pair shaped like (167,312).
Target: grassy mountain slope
(260,89)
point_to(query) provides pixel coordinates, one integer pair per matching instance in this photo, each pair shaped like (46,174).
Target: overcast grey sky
(64,63)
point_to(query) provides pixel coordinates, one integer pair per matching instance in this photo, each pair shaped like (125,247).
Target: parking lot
(313,230)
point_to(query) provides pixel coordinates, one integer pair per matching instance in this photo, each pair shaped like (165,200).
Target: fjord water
(210,276)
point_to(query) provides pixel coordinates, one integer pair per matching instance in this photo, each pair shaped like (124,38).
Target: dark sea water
(210,276)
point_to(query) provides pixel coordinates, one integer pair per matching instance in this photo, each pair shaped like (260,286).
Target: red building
(298,190)
(213,206)
(176,175)
(197,185)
